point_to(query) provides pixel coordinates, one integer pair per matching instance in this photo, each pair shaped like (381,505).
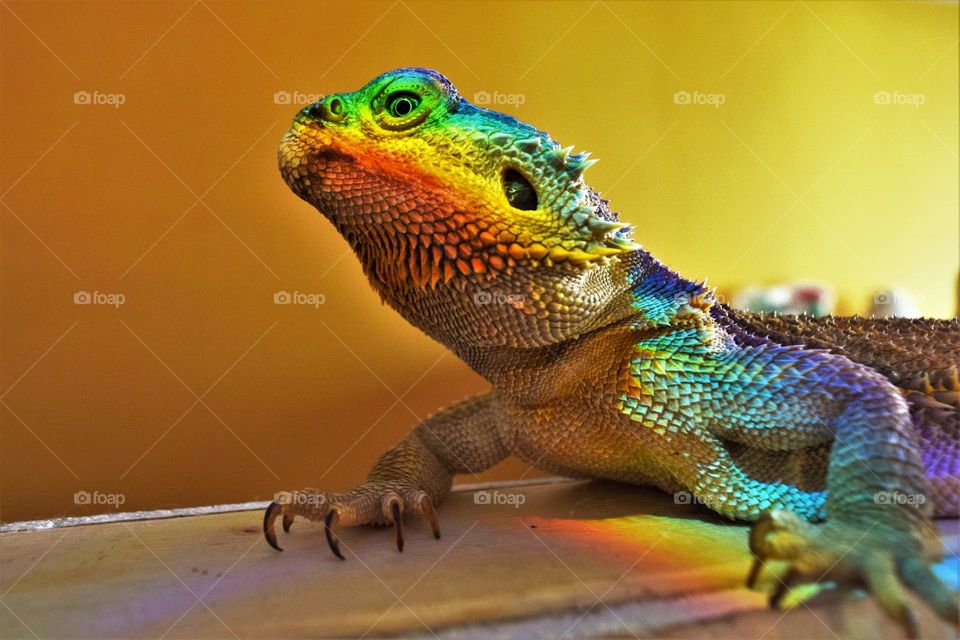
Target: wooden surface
(576,559)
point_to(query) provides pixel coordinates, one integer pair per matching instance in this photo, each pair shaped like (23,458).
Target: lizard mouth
(330,154)
(317,167)
(307,152)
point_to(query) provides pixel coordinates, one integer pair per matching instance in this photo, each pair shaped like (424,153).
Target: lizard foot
(885,559)
(370,503)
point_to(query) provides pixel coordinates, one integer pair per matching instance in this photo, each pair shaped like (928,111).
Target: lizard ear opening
(520,193)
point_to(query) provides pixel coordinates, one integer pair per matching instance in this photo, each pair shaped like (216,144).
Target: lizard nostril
(330,109)
(313,111)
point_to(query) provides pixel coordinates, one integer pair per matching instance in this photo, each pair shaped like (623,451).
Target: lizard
(837,437)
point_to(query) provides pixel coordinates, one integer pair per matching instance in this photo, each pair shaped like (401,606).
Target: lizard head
(447,189)
(434,193)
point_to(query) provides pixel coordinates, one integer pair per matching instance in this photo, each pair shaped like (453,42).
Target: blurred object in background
(808,298)
(890,303)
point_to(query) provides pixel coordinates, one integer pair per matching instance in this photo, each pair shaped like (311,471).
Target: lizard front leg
(877,530)
(415,475)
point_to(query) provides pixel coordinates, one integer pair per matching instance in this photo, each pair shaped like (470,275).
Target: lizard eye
(402,104)
(520,193)
(405,107)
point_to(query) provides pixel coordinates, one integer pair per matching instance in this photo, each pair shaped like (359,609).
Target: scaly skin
(479,230)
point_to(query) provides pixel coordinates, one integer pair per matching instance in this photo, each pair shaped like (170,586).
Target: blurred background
(796,154)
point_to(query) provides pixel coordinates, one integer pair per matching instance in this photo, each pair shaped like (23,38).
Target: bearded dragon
(839,438)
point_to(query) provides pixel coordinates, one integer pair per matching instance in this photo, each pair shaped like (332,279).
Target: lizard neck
(522,331)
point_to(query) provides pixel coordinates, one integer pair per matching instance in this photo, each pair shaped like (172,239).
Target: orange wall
(173,199)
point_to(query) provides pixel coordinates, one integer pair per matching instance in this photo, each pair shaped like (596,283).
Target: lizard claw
(371,503)
(269,517)
(755,569)
(329,523)
(426,509)
(782,588)
(396,517)
(887,557)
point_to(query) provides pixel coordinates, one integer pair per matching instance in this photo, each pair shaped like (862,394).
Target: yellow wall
(799,174)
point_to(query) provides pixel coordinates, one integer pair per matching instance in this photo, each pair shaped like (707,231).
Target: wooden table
(549,559)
